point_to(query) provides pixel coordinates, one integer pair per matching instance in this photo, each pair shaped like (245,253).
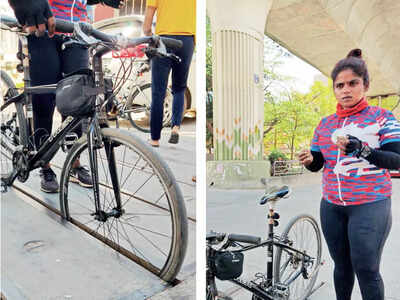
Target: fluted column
(238,95)
(237,44)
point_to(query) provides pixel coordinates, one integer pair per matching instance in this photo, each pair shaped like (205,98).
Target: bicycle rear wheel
(12,123)
(152,230)
(138,108)
(304,235)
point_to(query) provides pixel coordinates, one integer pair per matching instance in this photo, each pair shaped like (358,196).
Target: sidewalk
(43,257)
(238,211)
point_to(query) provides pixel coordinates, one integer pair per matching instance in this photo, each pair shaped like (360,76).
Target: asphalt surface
(238,211)
(43,257)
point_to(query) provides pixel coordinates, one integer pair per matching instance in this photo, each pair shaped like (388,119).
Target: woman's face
(349,88)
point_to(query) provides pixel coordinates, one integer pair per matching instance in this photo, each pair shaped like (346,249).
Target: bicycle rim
(304,232)
(153,229)
(138,108)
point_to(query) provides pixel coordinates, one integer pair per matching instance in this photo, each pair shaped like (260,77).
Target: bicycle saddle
(274,194)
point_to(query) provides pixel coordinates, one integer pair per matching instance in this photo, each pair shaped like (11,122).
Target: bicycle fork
(95,141)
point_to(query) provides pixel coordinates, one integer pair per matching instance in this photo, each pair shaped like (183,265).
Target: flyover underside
(323,31)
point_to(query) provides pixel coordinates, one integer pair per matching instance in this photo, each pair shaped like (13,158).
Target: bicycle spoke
(144,229)
(148,230)
(155,246)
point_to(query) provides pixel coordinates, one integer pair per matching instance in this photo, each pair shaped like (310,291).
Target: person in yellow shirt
(175,19)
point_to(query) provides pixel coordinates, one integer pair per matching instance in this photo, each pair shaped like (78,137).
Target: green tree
(298,115)
(208,55)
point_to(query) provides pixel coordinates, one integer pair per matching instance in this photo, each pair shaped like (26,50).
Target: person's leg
(334,222)
(44,67)
(369,226)
(180,72)
(160,68)
(73,59)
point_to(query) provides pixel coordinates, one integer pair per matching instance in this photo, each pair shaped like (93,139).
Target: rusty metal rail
(148,266)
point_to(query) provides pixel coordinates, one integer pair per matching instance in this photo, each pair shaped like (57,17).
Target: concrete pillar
(237,40)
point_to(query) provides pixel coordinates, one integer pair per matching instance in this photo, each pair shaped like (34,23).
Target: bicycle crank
(21,164)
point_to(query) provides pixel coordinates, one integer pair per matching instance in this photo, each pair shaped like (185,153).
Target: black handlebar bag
(228,265)
(76,95)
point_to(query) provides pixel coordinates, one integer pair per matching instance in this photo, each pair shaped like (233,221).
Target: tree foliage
(290,120)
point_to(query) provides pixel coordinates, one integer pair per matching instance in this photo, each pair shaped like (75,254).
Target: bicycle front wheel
(152,228)
(302,233)
(138,108)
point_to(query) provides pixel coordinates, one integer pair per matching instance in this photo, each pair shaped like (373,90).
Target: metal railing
(287,167)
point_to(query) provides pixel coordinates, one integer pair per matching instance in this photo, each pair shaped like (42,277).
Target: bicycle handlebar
(216,238)
(249,239)
(87,29)
(172,43)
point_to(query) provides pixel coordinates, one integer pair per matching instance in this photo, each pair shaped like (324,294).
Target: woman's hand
(34,15)
(350,145)
(342,142)
(305,157)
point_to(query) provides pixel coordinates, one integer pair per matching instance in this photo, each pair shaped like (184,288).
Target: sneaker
(82,176)
(49,182)
(174,138)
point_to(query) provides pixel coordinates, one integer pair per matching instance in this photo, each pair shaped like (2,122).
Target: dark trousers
(161,68)
(47,64)
(355,236)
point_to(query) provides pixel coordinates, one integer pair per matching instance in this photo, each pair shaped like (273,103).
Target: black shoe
(49,182)
(174,138)
(82,176)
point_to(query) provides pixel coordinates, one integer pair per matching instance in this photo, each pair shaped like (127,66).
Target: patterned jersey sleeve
(315,141)
(389,129)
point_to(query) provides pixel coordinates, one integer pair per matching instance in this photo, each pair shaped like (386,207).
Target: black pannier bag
(228,265)
(76,94)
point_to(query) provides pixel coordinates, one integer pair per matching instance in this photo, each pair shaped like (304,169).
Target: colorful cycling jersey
(348,180)
(70,10)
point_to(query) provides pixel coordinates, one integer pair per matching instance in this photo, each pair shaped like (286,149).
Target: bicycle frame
(50,147)
(271,242)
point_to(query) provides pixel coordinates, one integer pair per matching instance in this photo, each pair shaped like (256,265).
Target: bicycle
(135,205)
(290,275)
(133,102)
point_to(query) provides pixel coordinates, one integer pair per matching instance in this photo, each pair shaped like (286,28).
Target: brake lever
(83,36)
(70,43)
(174,57)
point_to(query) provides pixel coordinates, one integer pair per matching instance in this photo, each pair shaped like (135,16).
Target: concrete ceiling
(323,31)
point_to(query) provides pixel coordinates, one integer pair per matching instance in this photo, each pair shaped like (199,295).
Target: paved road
(238,211)
(45,258)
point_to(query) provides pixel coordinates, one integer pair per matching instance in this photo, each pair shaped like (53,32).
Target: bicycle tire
(165,212)
(16,133)
(138,111)
(300,245)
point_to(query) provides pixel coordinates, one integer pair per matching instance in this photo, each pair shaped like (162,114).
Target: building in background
(132,7)
(9,45)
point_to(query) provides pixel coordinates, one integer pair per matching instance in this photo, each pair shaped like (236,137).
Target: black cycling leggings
(355,236)
(47,64)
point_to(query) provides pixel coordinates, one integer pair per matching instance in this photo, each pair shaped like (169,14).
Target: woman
(48,63)
(175,19)
(356,146)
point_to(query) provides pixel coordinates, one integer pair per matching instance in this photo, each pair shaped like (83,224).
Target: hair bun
(355,53)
